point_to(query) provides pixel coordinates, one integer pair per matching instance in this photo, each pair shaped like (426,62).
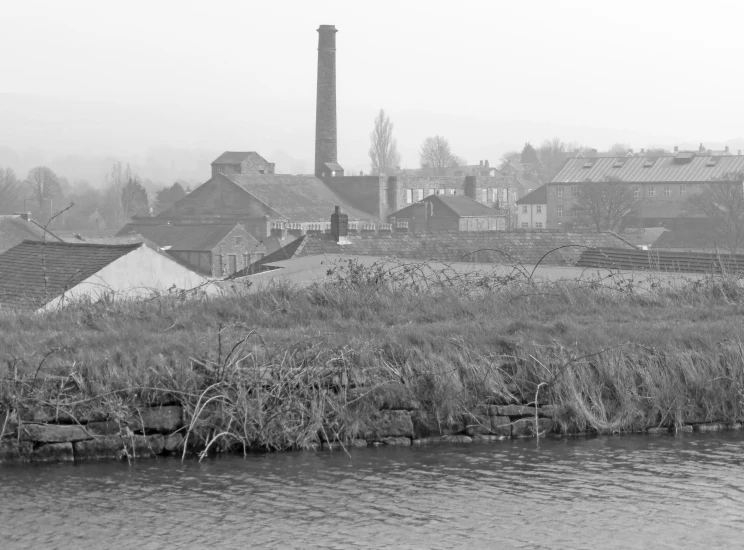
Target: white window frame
(560,210)
(667,190)
(651,191)
(524,209)
(538,225)
(484,195)
(409,196)
(419,195)
(560,191)
(538,209)
(574,190)
(637,191)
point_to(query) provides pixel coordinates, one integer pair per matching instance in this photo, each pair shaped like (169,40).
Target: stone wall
(156,431)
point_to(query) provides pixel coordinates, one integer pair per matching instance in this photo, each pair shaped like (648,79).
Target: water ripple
(616,492)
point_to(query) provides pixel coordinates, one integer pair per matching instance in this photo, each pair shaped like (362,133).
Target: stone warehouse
(660,183)
(213,250)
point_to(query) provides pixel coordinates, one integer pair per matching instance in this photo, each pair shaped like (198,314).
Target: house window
(450,191)
(525,225)
(560,191)
(409,196)
(232,264)
(650,191)
(667,191)
(431,192)
(560,210)
(490,195)
(524,209)
(238,241)
(505,195)
(419,194)
(637,191)
(246,260)
(440,191)
(484,195)
(574,190)
(220,268)
(682,190)
(539,209)
(538,225)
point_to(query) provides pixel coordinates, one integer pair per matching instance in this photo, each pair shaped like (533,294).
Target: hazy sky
(488,75)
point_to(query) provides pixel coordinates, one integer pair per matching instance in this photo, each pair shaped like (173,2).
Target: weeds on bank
(286,366)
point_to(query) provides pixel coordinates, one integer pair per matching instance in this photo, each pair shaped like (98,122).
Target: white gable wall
(532,219)
(138,274)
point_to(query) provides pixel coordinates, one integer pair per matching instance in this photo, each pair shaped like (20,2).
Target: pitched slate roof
(522,246)
(649,169)
(538,196)
(197,237)
(298,198)
(34,273)
(457,205)
(287,252)
(14,230)
(235,157)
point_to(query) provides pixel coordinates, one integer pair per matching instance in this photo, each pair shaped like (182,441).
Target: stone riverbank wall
(160,431)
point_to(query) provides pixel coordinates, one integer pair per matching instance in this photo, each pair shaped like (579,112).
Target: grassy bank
(287,366)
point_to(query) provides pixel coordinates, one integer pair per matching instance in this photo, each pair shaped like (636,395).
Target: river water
(684,491)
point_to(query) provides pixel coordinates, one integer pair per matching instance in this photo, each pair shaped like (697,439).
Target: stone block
(103,428)
(658,430)
(735,425)
(711,427)
(685,428)
(143,446)
(456,439)
(53,433)
(397,441)
(549,411)
(110,446)
(384,424)
(173,442)
(53,452)
(526,427)
(358,443)
(477,423)
(501,426)
(157,419)
(12,450)
(489,438)
(427,425)
(515,410)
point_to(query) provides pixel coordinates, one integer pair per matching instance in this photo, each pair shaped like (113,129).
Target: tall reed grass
(287,366)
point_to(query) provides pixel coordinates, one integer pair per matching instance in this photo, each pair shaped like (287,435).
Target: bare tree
(619,149)
(436,154)
(383,150)
(605,206)
(10,190)
(44,187)
(125,195)
(510,156)
(721,203)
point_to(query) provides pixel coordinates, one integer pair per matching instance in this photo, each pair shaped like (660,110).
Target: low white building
(532,209)
(46,275)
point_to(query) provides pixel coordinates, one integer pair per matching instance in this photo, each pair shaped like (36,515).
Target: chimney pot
(481,163)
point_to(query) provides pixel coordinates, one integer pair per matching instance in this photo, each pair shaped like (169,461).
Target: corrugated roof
(235,157)
(196,237)
(524,246)
(33,273)
(538,196)
(634,169)
(298,198)
(14,230)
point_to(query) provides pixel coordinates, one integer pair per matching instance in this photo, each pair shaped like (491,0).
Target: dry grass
(282,368)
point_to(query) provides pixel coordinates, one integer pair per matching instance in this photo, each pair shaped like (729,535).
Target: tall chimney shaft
(325,109)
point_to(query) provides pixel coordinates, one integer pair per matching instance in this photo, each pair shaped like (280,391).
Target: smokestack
(325,110)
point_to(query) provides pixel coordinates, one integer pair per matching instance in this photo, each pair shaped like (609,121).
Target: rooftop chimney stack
(340,226)
(325,109)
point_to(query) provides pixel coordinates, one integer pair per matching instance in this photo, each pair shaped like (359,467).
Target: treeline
(44,194)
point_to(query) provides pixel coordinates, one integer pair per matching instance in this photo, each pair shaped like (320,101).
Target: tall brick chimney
(325,110)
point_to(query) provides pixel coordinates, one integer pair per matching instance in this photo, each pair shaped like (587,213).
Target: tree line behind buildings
(43,193)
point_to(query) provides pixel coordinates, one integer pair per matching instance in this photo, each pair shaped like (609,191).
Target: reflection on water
(610,492)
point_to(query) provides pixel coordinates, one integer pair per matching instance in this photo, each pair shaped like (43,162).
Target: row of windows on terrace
(526,225)
(486,195)
(651,191)
(227,265)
